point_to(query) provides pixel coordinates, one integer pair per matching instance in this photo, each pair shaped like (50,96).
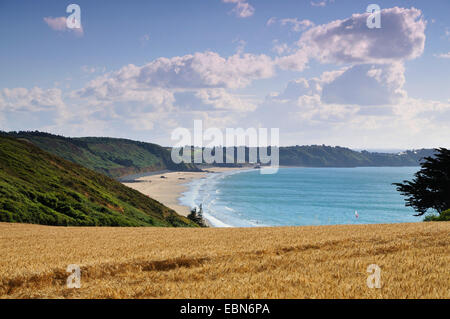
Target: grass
(113,157)
(283,262)
(38,187)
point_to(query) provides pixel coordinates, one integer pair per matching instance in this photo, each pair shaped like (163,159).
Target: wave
(204,192)
(300,196)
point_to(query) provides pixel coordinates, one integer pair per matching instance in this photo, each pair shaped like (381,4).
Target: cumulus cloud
(168,88)
(361,84)
(305,118)
(60,24)
(197,71)
(354,106)
(350,41)
(30,100)
(401,37)
(242,8)
(214,99)
(145,121)
(105,89)
(295,24)
(29,108)
(342,41)
(297,88)
(310,89)
(296,61)
(367,84)
(280,48)
(347,106)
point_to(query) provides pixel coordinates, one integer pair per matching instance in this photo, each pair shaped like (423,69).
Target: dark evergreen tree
(430,187)
(196,216)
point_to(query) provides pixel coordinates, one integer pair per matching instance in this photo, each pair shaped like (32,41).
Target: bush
(197,216)
(6,216)
(444,216)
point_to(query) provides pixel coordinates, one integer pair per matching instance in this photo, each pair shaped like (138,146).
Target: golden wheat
(279,262)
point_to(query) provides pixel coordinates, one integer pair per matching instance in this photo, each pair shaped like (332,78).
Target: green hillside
(328,156)
(41,188)
(110,156)
(120,157)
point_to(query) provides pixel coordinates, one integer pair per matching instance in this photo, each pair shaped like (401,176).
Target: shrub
(444,216)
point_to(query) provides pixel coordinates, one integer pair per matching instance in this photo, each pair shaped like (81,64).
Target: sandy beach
(167,187)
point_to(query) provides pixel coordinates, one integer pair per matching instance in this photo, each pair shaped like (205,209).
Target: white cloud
(361,84)
(401,37)
(59,24)
(176,88)
(92,69)
(367,84)
(305,118)
(297,25)
(214,99)
(242,8)
(280,48)
(240,45)
(318,4)
(33,100)
(363,103)
(351,41)
(443,55)
(22,108)
(296,61)
(297,88)
(144,121)
(322,3)
(271,21)
(197,71)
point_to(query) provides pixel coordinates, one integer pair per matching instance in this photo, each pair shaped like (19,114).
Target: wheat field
(279,262)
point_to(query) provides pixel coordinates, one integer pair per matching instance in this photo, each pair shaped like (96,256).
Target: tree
(197,216)
(430,188)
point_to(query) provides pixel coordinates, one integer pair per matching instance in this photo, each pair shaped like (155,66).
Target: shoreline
(180,191)
(168,187)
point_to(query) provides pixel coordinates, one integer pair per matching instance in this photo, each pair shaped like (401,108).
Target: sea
(302,196)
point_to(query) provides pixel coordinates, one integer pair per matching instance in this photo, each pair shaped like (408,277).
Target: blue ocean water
(302,196)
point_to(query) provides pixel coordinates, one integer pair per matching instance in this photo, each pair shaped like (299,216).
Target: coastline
(168,187)
(182,191)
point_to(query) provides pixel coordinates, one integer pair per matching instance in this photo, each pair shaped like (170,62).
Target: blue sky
(229,63)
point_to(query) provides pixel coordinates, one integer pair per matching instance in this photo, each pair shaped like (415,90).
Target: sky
(313,69)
